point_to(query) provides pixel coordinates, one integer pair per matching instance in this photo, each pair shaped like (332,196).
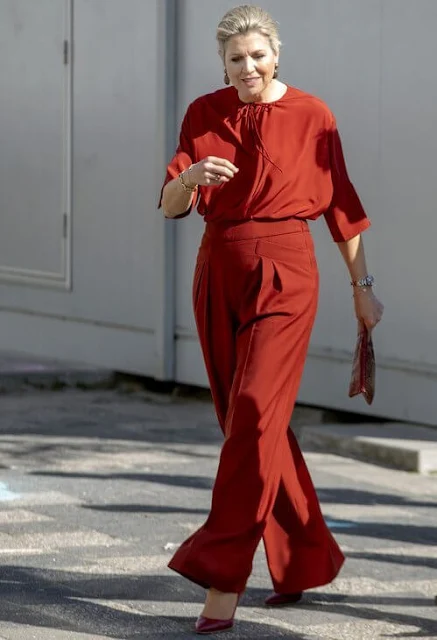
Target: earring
(226,78)
(275,75)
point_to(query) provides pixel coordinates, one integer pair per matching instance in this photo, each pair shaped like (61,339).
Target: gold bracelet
(185,187)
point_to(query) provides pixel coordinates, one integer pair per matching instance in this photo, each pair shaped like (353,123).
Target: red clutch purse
(363,367)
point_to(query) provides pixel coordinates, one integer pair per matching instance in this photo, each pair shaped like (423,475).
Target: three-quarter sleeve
(182,159)
(345,215)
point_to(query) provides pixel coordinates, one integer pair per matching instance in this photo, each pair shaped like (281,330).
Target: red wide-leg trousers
(255,297)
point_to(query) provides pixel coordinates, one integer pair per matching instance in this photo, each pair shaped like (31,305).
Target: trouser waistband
(251,229)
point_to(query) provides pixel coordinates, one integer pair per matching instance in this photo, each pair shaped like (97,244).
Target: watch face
(367,281)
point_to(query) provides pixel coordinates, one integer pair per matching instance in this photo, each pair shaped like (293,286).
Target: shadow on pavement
(76,602)
(415,534)
(415,561)
(343,605)
(143,508)
(65,601)
(354,496)
(112,417)
(174,480)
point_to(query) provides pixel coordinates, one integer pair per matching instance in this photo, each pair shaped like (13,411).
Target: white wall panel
(329,49)
(114,218)
(115,201)
(34,141)
(408,220)
(373,62)
(114,198)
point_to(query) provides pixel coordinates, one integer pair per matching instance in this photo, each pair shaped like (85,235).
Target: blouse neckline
(264,102)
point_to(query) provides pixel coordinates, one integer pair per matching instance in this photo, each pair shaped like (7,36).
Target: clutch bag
(363,367)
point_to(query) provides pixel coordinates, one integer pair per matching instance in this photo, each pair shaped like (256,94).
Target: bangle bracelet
(185,187)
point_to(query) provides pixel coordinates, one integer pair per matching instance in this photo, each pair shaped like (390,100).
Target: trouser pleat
(255,306)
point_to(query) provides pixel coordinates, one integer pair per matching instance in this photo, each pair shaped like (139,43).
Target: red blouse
(289,157)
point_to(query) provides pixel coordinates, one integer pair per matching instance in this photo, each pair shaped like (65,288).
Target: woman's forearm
(368,308)
(174,199)
(353,254)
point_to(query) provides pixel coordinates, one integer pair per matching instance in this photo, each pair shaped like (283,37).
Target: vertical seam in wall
(68,246)
(171,46)
(380,97)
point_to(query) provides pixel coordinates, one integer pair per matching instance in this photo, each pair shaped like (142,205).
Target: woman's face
(250,63)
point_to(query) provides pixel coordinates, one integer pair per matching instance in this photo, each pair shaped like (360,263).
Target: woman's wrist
(359,290)
(187,181)
(364,281)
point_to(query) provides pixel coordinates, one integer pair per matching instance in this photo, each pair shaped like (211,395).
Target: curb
(407,447)
(19,372)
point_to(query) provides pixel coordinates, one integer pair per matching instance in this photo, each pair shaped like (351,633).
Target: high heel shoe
(282,599)
(205,625)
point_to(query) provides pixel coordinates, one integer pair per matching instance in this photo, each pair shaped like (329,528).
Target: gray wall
(108,316)
(372,61)
(91,139)
(34,133)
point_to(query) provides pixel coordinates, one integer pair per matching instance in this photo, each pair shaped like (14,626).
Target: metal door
(35,142)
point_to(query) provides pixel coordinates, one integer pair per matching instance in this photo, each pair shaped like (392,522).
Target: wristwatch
(367,281)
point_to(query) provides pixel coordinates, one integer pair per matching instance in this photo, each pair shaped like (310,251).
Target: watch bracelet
(366,281)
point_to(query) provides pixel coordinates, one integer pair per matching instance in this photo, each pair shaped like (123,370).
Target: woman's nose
(248,65)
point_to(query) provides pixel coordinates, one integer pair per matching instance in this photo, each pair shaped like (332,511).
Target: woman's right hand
(211,172)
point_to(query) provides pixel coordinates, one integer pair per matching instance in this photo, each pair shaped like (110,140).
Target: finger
(217,177)
(369,323)
(214,179)
(217,170)
(222,162)
(376,321)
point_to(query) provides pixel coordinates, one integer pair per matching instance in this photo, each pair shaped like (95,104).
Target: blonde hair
(241,20)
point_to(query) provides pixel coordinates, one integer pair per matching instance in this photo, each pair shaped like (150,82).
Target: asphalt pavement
(97,488)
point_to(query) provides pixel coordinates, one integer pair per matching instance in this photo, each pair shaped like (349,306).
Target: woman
(261,158)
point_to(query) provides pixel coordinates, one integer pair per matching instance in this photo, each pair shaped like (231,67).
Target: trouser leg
(301,552)
(215,330)
(277,312)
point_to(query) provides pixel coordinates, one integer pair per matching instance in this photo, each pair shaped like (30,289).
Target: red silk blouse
(289,156)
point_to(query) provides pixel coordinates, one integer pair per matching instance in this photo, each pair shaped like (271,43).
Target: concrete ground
(97,488)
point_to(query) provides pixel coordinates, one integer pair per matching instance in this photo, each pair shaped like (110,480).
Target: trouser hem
(306,577)
(205,580)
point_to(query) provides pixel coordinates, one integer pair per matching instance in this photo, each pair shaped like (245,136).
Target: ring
(217,176)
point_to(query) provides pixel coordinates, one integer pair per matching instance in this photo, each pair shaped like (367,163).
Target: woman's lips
(250,81)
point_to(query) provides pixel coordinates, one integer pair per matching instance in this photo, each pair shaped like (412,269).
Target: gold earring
(226,78)
(275,75)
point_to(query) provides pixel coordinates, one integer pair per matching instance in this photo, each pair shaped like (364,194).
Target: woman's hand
(211,172)
(368,308)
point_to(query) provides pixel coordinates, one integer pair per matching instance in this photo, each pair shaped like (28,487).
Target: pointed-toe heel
(204,626)
(209,625)
(282,599)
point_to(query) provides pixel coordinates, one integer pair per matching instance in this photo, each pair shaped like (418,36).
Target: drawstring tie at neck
(250,112)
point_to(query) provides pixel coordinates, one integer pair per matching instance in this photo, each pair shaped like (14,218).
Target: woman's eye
(257,57)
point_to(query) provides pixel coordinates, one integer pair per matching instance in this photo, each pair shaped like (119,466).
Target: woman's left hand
(368,308)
